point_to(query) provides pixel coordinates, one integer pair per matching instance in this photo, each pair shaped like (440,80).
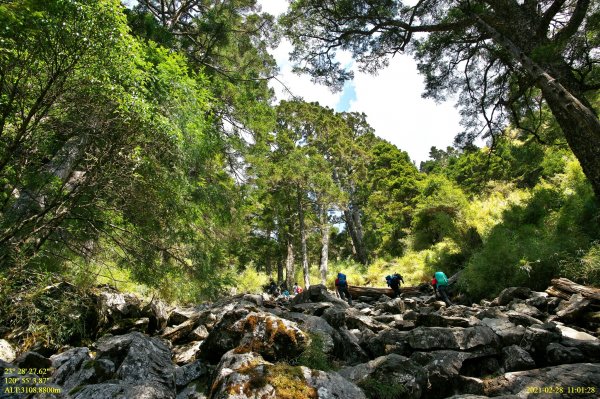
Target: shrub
(375,389)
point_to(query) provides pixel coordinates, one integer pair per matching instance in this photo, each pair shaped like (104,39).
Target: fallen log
(357,291)
(569,287)
(552,291)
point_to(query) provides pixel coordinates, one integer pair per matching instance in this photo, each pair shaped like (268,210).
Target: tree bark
(304,248)
(569,287)
(324,245)
(354,226)
(289,264)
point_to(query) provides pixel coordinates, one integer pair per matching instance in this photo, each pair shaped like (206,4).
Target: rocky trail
(522,344)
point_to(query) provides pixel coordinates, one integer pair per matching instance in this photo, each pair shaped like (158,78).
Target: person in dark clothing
(272,288)
(342,287)
(393,282)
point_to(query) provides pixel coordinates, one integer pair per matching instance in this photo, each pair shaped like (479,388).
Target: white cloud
(391,99)
(394,107)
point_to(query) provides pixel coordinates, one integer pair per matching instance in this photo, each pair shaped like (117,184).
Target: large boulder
(248,375)
(272,337)
(571,310)
(529,310)
(355,319)
(537,337)
(126,366)
(431,338)
(392,373)
(581,380)
(559,354)
(386,342)
(437,320)
(317,293)
(347,347)
(508,294)
(444,370)
(515,358)
(316,326)
(508,332)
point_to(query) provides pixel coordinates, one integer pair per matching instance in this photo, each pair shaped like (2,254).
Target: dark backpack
(342,280)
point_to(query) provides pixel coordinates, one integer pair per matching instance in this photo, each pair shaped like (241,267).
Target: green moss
(289,382)
(375,389)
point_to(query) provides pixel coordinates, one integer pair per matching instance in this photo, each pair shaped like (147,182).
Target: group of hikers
(274,290)
(439,282)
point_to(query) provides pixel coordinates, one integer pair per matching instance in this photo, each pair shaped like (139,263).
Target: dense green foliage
(143,148)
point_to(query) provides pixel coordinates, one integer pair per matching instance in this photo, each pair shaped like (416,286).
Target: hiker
(393,282)
(272,288)
(297,289)
(440,286)
(342,287)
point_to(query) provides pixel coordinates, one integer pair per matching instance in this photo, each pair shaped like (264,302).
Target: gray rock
(7,352)
(317,293)
(347,347)
(529,383)
(186,353)
(271,336)
(248,375)
(360,321)
(591,349)
(181,332)
(508,294)
(180,315)
(437,320)
(255,299)
(200,333)
(515,358)
(508,332)
(386,342)
(186,374)
(405,374)
(318,326)
(138,358)
(538,337)
(393,306)
(523,308)
(521,319)
(430,338)
(572,309)
(312,308)
(559,354)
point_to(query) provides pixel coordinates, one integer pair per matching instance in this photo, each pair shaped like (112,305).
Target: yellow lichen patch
(289,382)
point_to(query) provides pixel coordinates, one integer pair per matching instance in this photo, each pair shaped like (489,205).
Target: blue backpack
(441,278)
(342,279)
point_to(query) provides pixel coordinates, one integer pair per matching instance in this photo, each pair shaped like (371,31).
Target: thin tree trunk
(304,248)
(268,266)
(289,264)
(324,245)
(279,271)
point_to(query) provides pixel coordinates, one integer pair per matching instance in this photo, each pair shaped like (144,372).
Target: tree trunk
(354,226)
(289,264)
(279,271)
(304,248)
(324,245)
(268,266)
(578,121)
(569,287)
